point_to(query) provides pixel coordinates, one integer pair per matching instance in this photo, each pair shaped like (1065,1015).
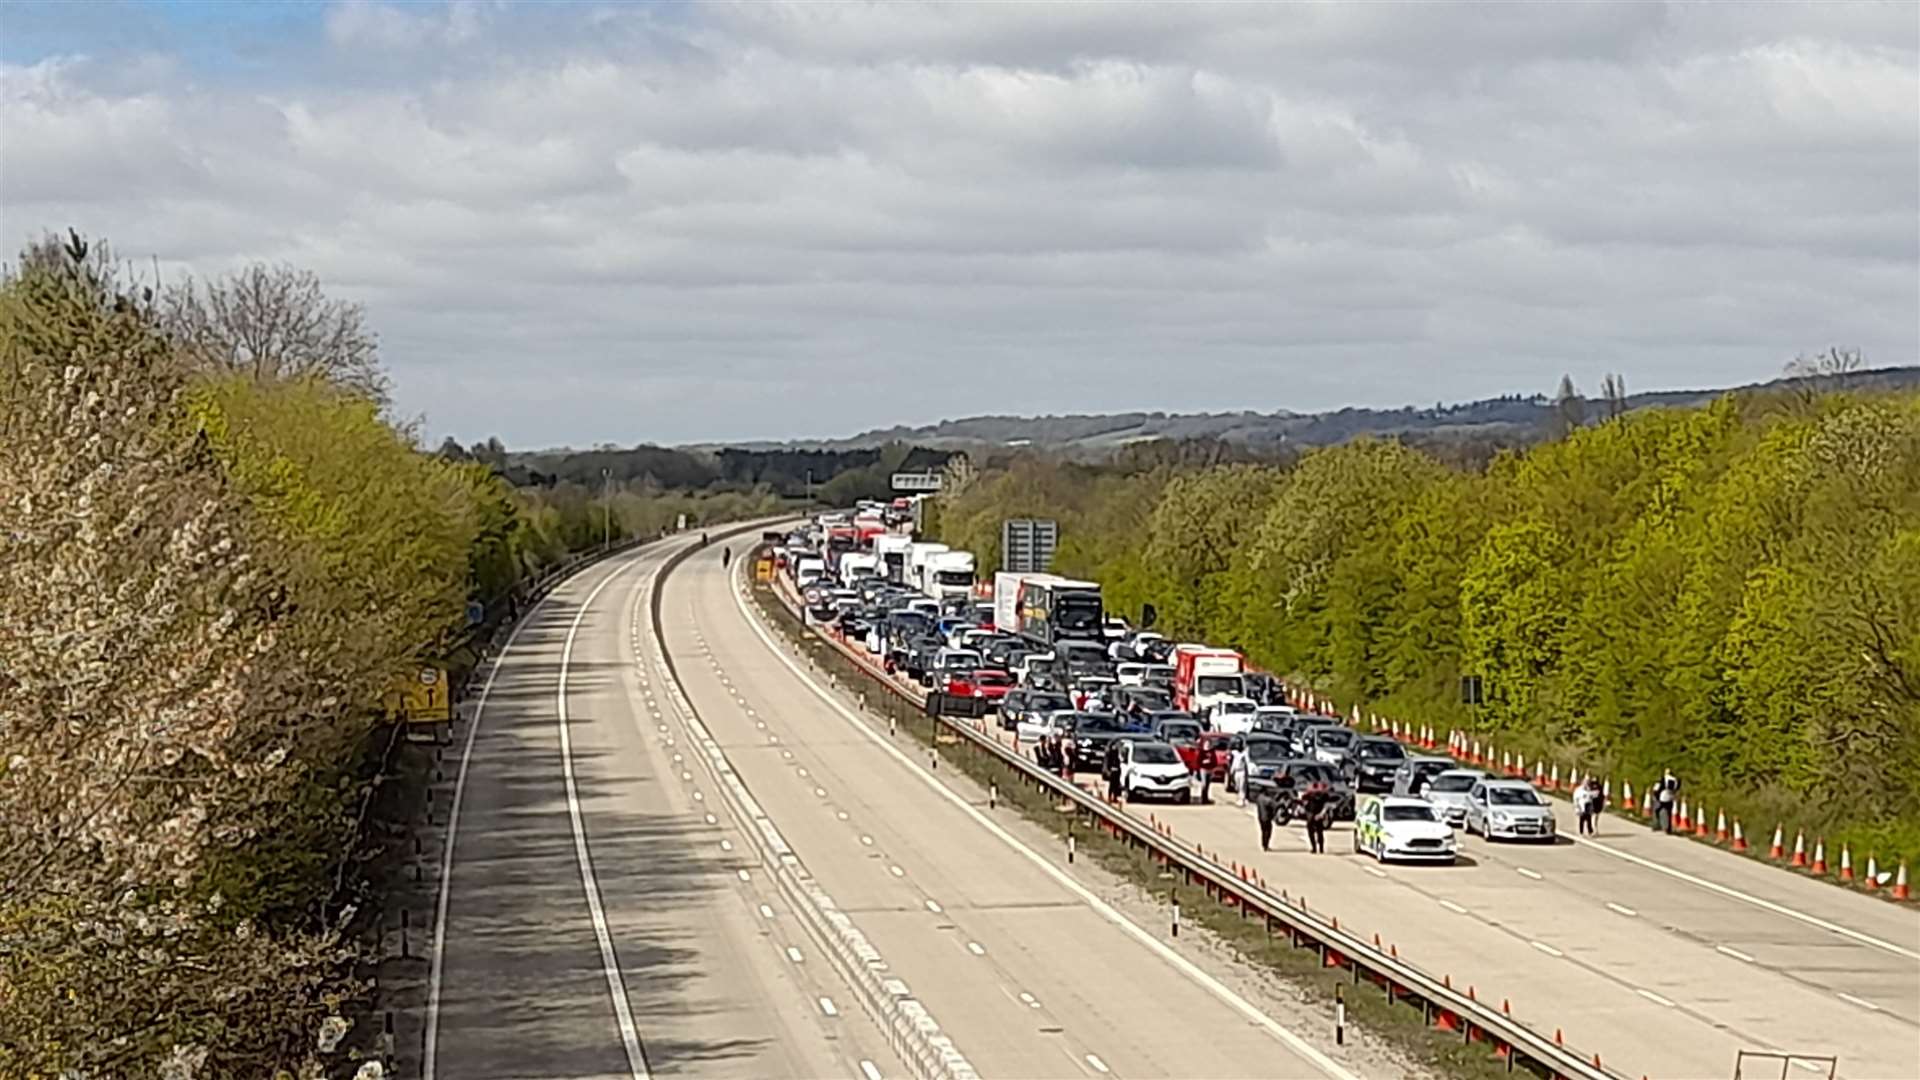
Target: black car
(1091,734)
(1264,756)
(1007,652)
(1149,699)
(1373,761)
(921,653)
(1022,702)
(1304,774)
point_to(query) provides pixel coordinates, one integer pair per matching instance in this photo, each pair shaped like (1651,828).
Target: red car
(985,684)
(1221,744)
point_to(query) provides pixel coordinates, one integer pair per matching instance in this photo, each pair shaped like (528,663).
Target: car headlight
(1500,818)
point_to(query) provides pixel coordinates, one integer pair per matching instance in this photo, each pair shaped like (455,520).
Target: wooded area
(213,569)
(1731,591)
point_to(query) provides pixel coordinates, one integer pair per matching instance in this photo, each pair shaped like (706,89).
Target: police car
(1398,827)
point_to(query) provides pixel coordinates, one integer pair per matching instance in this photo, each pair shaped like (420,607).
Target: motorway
(1665,955)
(603,913)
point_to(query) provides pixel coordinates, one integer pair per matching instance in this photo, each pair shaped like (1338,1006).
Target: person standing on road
(1267,805)
(1665,794)
(1317,805)
(1110,768)
(1203,759)
(1238,770)
(1584,799)
(726,556)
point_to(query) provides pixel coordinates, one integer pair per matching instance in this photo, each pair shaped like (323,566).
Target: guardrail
(1443,1005)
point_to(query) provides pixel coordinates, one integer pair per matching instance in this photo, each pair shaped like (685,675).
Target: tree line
(1731,591)
(218,552)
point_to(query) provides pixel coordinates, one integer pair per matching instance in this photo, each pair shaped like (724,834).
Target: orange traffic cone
(1646,803)
(1700,824)
(1846,862)
(1681,821)
(1900,891)
(1720,826)
(1626,796)
(1819,868)
(1873,874)
(1739,838)
(1776,851)
(1800,848)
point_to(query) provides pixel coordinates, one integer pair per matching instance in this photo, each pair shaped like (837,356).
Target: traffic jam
(1081,691)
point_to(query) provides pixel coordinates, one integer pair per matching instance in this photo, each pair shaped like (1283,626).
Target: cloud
(673,222)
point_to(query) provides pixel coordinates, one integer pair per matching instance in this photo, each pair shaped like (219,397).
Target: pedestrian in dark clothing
(1205,761)
(1110,768)
(726,556)
(1317,804)
(1666,793)
(1267,805)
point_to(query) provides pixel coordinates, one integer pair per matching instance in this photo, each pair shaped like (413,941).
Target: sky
(584,223)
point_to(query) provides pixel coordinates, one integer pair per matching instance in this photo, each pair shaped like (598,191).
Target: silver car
(1448,792)
(1508,810)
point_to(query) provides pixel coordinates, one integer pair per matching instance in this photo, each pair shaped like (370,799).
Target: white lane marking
(896,871)
(766,912)
(842,815)
(1735,953)
(1805,1064)
(697,797)
(793,954)
(870,1070)
(1032,1003)
(1534,874)
(1627,911)
(826,1006)
(1862,1002)
(820,791)
(976,948)
(934,906)
(867,840)
(1453,907)
(1767,905)
(623,1012)
(1545,948)
(744,876)
(1098,1065)
(1107,911)
(687,776)
(726,845)
(1653,997)
(1375,871)
(711,820)
(803,770)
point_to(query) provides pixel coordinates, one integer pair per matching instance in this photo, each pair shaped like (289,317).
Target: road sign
(1027,544)
(763,569)
(421,697)
(916,481)
(682,527)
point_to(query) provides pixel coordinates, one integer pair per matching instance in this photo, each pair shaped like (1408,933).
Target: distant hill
(1510,419)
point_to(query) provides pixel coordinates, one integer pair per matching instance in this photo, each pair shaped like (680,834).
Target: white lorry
(855,565)
(917,555)
(947,573)
(892,549)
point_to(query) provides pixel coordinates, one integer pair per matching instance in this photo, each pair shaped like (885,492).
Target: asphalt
(1029,973)
(1666,956)
(524,987)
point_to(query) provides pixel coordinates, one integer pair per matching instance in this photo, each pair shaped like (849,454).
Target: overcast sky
(581,223)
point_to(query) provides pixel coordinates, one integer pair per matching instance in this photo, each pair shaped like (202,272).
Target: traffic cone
(1540,774)
(1506,762)
(1873,874)
(1819,867)
(1800,848)
(1777,850)
(1646,804)
(1606,793)
(1720,826)
(1700,824)
(1900,891)
(1739,838)
(1626,795)
(1846,862)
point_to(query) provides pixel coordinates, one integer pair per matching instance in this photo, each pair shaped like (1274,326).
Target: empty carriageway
(1026,970)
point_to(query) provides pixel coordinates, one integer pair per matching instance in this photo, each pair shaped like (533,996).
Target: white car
(1153,770)
(1232,715)
(1391,827)
(1031,729)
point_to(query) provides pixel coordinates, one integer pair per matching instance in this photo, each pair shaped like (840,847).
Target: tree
(275,323)
(1613,391)
(1569,410)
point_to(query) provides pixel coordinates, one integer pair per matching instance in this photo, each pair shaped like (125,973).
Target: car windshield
(1154,754)
(961,659)
(1382,751)
(1047,702)
(1513,796)
(1078,614)
(1333,737)
(1182,730)
(1453,783)
(1266,750)
(954,577)
(1409,813)
(1217,684)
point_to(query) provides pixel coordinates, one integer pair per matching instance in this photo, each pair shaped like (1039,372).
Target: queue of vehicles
(1046,659)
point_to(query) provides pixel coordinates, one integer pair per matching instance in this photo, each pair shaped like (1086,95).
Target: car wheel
(1183,798)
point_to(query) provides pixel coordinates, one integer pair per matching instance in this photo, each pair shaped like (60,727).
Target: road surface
(1665,955)
(1028,972)
(671,970)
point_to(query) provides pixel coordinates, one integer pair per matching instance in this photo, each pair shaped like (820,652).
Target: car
(1091,734)
(1412,775)
(1257,758)
(1509,810)
(1390,827)
(1372,762)
(1272,718)
(1021,702)
(1232,715)
(1130,673)
(1305,772)
(984,685)
(1147,698)
(1448,789)
(1048,735)
(1222,746)
(1153,769)
(948,660)
(1329,743)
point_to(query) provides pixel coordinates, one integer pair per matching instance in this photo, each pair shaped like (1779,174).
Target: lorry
(947,574)
(917,555)
(892,549)
(855,565)
(1203,674)
(1048,608)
